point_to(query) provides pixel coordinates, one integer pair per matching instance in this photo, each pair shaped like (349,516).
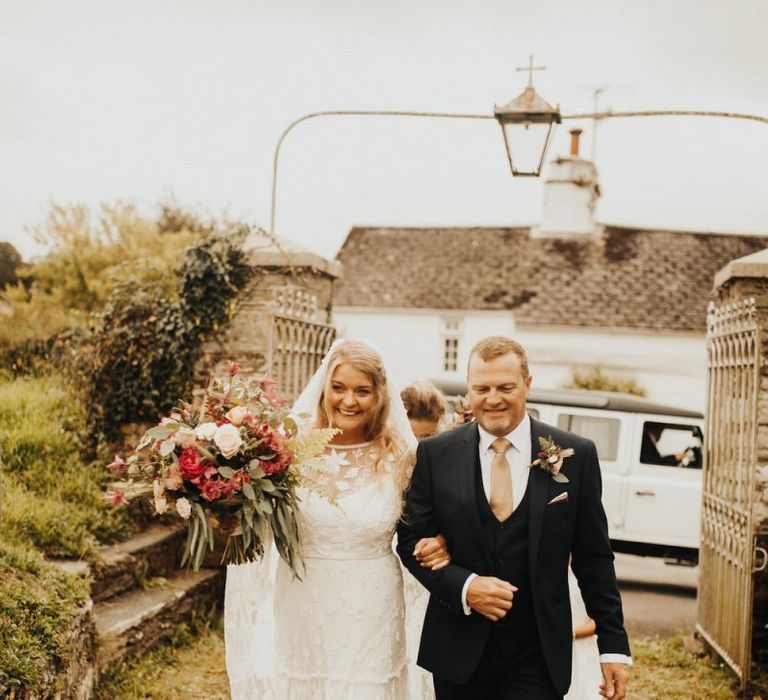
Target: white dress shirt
(519,457)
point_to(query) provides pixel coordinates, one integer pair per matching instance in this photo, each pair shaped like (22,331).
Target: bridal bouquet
(231,461)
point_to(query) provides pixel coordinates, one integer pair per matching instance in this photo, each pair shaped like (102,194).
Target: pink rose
(211,489)
(277,465)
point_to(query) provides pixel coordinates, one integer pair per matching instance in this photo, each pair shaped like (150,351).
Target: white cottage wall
(413,339)
(671,367)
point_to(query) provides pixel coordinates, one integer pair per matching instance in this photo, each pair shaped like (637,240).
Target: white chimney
(570,196)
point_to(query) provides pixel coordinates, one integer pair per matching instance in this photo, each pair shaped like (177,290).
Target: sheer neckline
(332,446)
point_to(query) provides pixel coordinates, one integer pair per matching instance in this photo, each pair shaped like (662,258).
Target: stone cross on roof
(530,70)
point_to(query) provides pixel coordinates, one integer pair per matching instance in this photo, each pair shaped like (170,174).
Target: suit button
(500,560)
(502,527)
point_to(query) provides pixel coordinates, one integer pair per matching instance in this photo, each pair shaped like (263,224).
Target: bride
(338,633)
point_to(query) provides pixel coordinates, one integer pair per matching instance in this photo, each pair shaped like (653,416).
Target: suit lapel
(538,487)
(466,463)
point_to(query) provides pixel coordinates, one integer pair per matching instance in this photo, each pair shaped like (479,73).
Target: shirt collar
(519,437)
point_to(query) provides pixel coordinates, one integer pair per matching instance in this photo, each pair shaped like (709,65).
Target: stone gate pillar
(281,321)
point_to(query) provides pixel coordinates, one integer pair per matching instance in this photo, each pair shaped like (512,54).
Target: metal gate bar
(726,556)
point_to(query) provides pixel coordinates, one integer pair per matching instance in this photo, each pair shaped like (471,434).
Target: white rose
(227,439)
(185,437)
(236,415)
(206,431)
(161,505)
(183,508)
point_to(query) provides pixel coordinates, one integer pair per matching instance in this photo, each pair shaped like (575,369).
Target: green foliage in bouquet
(52,498)
(39,606)
(232,461)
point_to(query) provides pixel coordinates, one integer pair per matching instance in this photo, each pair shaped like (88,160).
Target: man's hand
(432,552)
(490,596)
(615,679)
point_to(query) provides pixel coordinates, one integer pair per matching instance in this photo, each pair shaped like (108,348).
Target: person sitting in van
(649,450)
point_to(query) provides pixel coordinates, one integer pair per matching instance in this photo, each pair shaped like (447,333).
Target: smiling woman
(329,638)
(350,402)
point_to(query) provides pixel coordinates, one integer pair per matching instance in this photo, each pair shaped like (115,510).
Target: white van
(650,457)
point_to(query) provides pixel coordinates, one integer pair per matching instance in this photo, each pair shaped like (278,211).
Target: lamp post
(527,125)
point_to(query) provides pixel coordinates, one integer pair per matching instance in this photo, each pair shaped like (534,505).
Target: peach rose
(185,437)
(236,415)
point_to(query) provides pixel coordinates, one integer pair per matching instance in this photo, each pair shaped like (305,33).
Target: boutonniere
(550,458)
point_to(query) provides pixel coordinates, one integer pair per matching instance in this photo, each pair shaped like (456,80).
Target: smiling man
(498,624)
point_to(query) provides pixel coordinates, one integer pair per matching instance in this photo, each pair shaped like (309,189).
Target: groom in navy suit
(498,623)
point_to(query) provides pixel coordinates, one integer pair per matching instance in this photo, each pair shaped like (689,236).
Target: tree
(89,255)
(10,262)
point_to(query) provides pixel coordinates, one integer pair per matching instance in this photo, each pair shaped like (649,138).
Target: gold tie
(501,480)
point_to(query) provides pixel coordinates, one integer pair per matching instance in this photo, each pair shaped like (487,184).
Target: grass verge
(194,669)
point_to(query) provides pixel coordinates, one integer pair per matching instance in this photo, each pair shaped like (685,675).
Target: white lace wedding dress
(339,633)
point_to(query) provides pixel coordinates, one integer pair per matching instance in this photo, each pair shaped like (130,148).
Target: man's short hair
(495,346)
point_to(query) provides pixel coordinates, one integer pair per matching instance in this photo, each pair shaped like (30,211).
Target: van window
(604,432)
(671,444)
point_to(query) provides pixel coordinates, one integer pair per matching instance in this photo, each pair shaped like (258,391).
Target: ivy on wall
(138,360)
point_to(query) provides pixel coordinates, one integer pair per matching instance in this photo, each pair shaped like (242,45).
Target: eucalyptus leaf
(266,485)
(167,447)
(560,478)
(227,472)
(255,470)
(160,431)
(248,491)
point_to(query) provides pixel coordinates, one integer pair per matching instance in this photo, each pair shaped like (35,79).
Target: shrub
(38,606)
(597,380)
(52,499)
(141,359)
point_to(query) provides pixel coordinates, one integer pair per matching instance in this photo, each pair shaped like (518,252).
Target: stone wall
(295,284)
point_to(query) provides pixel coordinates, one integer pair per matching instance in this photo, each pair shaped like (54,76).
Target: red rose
(211,489)
(190,465)
(277,465)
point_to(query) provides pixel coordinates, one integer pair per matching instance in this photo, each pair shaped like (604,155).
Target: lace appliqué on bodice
(339,632)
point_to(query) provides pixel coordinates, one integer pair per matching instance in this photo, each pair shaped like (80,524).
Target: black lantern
(527,124)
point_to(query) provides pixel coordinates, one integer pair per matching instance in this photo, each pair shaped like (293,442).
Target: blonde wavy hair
(385,440)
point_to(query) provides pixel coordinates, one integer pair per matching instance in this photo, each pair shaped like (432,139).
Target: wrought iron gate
(726,557)
(296,349)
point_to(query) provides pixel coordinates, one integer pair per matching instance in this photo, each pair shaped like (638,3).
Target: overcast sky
(104,100)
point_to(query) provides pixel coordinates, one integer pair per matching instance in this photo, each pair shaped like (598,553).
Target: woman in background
(427,410)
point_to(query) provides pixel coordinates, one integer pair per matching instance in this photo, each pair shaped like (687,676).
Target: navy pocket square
(560,498)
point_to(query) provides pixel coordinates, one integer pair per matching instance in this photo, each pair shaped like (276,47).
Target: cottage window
(451,336)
